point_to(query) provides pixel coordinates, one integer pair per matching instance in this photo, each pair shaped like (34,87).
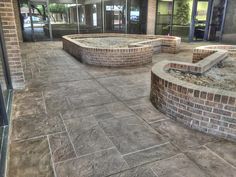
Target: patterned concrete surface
(74,120)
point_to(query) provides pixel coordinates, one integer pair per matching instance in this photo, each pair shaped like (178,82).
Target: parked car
(34,18)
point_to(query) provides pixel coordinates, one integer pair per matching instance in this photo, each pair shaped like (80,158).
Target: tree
(57,8)
(182,13)
(41,10)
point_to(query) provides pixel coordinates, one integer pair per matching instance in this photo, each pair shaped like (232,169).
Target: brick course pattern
(136,54)
(12,43)
(17,19)
(206,109)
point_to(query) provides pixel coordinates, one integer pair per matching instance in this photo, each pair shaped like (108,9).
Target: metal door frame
(193,22)
(171,18)
(209,14)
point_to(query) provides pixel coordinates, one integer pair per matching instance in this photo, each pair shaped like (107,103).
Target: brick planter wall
(206,109)
(12,43)
(135,54)
(200,53)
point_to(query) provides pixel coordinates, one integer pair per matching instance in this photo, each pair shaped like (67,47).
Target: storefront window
(189,19)
(34,20)
(182,18)
(52,19)
(63,18)
(90,17)
(137,16)
(174,17)
(164,17)
(115,16)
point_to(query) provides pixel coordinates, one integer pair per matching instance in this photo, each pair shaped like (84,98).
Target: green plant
(57,8)
(182,12)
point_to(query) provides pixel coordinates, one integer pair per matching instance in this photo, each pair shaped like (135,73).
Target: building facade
(196,19)
(190,19)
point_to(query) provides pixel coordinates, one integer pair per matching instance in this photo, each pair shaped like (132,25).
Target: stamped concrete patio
(75,120)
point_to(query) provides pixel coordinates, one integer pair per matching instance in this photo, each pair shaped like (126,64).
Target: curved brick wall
(206,109)
(136,54)
(200,53)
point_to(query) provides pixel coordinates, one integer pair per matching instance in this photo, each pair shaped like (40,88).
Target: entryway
(192,20)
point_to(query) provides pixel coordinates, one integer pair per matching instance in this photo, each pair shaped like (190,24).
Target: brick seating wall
(139,53)
(206,109)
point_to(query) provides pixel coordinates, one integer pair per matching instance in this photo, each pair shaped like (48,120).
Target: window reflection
(164,17)
(174,17)
(137,16)
(81,16)
(90,15)
(182,18)
(115,16)
(63,18)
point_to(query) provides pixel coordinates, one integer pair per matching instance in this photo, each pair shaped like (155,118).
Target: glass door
(137,16)
(164,17)
(90,17)
(39,21)
(63,18)
(34,20)
(200,19)
(115,16)
(174,18)
(182,18)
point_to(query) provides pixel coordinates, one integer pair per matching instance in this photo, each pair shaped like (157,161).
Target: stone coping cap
(136,45)
(226,47)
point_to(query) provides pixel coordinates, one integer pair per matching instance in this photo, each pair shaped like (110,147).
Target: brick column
(151,16)
(17,18)
(7,15)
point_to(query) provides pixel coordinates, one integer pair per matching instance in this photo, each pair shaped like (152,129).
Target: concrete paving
(75,120)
